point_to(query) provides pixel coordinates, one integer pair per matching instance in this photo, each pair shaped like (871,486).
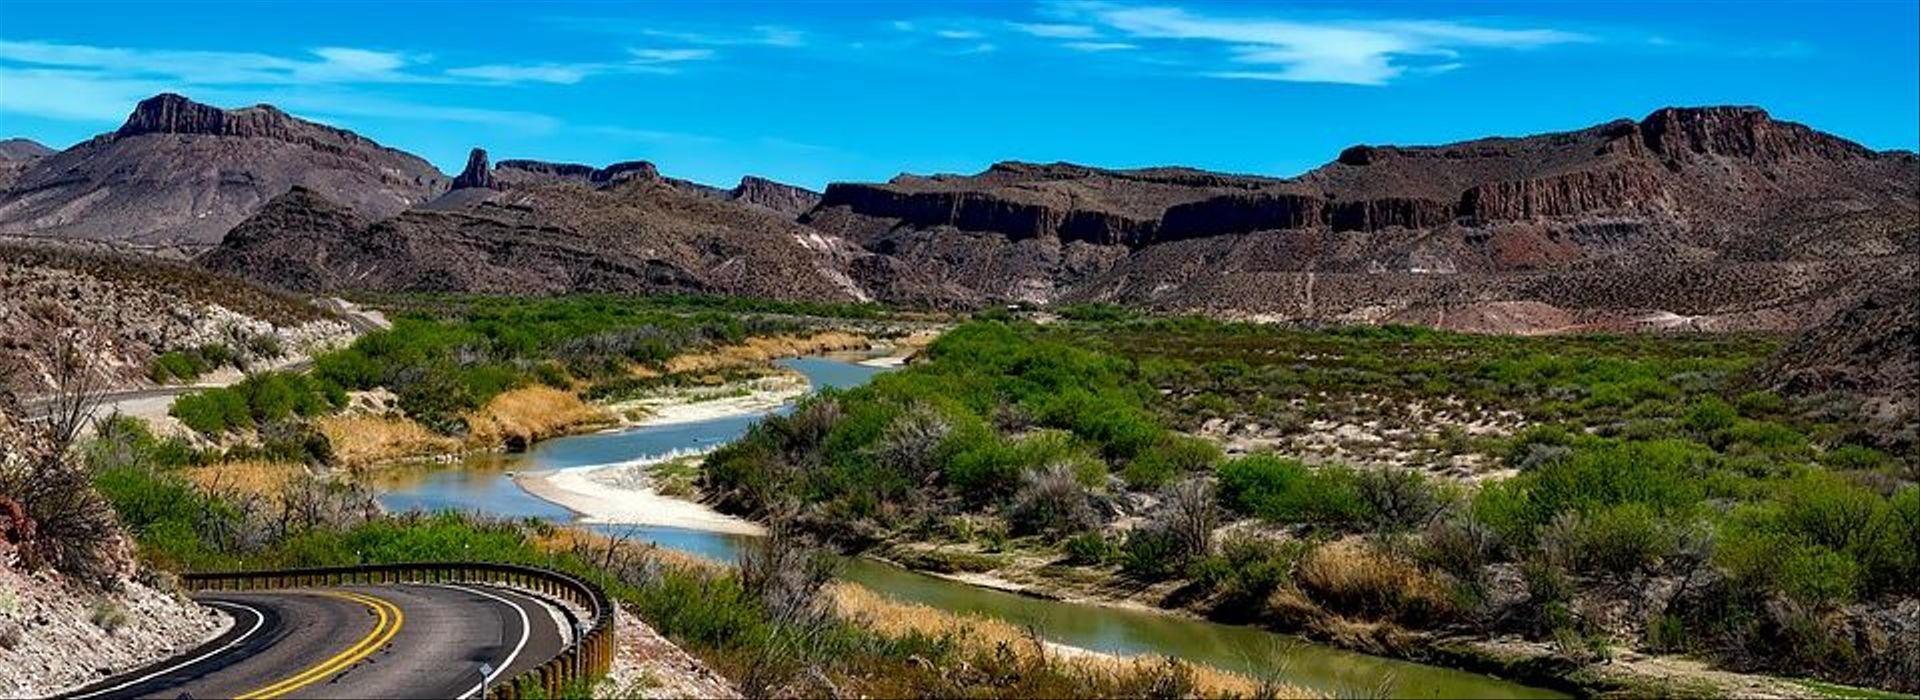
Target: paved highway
(378,641)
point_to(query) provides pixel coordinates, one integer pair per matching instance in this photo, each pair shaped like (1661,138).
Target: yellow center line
(387,624)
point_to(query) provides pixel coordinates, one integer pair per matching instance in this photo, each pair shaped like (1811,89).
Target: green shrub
(1663,475)
(1089,549)
(1286,491)
(1170,458)
(1150,553)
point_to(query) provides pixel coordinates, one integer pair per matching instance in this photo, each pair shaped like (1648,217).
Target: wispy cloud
(670,55)
(768,35)
(321,65)
(1282,48)
(1099,46)
(1056,31)
(556,73)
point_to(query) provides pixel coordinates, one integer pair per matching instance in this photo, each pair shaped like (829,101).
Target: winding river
(484,485)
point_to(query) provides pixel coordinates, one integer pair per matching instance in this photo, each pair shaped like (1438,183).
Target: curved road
(401,640)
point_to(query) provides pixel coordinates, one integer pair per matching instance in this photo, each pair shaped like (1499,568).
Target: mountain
(1718,217)
(16,156)
(550,234)
(181,173)
(22,149)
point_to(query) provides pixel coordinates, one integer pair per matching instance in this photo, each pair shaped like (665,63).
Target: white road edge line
(259,619)
(526,630)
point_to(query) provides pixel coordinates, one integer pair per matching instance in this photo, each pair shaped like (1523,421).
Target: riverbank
(625,494)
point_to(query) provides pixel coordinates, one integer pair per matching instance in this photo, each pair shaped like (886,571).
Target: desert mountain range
(1707,218)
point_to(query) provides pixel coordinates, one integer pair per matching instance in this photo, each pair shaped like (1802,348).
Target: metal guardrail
(588,656)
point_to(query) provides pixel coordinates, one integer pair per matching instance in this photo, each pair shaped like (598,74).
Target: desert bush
(1051,500)
(1459,545)
(1398,499)
(108,615)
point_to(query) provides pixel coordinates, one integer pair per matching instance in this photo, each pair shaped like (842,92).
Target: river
(483,485)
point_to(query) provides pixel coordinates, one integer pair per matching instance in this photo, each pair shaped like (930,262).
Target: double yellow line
(387,622)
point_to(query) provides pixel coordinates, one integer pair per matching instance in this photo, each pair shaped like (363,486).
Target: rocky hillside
(786,200)
(1708,218)
(135,308)
(1869,351)
(16,156)
(182,173)
(538,234)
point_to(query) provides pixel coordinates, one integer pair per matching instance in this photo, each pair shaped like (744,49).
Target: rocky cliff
(181,173)
(1783,220)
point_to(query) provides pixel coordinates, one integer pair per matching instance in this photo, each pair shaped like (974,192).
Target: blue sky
(812,91)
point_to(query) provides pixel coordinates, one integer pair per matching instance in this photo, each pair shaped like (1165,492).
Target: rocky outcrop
(525,172)
(1572,194)
(477,175)
(1741,132)
(778,196)
(181,173)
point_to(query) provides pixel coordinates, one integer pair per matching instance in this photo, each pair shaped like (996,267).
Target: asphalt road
(386,641)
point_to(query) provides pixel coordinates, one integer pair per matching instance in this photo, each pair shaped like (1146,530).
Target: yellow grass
(568,539)
(253,477)
(528,414)
(761,350)
(1353,577)
(894,618)
(360,441)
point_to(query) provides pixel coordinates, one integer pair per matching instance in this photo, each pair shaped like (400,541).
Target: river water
(484,485)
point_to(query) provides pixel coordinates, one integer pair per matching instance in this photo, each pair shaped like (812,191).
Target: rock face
(639,234)
(132,308)
(532,172)
(1713,217)
(786,199)
(181,173)
(477,174)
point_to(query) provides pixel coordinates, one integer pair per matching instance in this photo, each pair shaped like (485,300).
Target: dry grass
(761,350)
(569,539)
(252,477)
(360,440)
(529,414)
(1352,578)
(894,618)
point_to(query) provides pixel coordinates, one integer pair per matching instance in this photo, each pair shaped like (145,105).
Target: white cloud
(670,55)
(760,35)
(1056,31)
(1357,52)
(1099,46)
(556,73)
(957,34)
(329,65)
